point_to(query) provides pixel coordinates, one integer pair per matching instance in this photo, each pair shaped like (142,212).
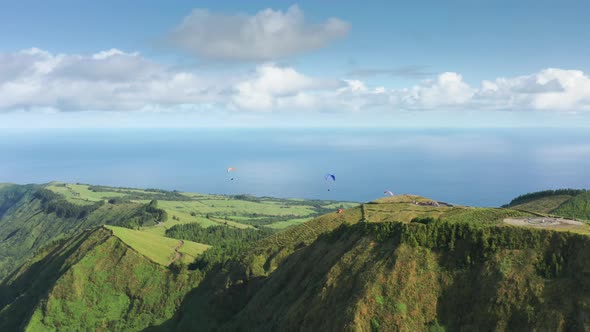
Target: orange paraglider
(229,170)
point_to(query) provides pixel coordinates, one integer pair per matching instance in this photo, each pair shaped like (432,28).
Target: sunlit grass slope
(544,204)
(567,203)
(91,282)
(159,249)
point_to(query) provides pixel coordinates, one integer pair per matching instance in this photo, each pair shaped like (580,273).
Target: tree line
(545,193)
(54,203)
(468,244)
(228,242)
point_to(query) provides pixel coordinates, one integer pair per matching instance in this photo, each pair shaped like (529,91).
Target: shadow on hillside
(521,289)
(213,302)
(25,292)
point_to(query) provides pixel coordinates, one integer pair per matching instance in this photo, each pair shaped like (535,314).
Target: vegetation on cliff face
(568,203)
(399,263)
(577,207)
(400,276)
(92,281)
(32,216)
(542,194)
(228,242)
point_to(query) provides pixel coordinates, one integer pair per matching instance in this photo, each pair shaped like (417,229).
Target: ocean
(484,167)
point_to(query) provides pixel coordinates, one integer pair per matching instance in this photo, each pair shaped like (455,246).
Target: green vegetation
(91,281)
(216,235)
(543,205)
(568,203)
(578,207)
(159,249)
(80,194)
(54,203)
(34,215)
(407,276)
(492,216)
(172,261)
(541,194)
(240,211)
(227,242)
(288,223)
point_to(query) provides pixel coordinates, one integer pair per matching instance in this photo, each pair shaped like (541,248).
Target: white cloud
(267,35)
(118,81)
(549,89)
(447,90)
(109,80)
(279,88)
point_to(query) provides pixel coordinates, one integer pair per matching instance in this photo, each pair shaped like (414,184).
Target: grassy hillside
(240,211)
(542,194)
(543,204)
(411,277)
(161,250)
(568,203)
(92,281)
(33,215)
(576,207)
(404,263)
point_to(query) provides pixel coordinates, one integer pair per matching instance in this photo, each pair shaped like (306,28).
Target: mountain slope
(400,263)
(409,276)
(338,272)
(32,216)
(92,281)
(568,203)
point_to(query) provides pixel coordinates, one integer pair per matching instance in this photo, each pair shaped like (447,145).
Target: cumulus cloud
(267,35)
(282,88)
(549,89)
(270,87)
(447,90)
(109,80)
(119,81)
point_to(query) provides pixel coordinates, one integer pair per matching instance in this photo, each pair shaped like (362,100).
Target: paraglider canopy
(330,177)
(388,192)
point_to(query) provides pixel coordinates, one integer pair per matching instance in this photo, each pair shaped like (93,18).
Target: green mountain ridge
(396,264)
(568,203)
(407,277)
(91,281)
(32,216)
(362,276)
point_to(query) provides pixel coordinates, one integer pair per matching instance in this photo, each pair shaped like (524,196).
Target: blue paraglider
(330,180)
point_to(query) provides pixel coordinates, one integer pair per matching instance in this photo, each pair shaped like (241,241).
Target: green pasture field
(158,248)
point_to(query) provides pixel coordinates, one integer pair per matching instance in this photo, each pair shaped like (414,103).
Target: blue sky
(263,63)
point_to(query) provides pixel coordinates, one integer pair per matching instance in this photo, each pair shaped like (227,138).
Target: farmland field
(239,211)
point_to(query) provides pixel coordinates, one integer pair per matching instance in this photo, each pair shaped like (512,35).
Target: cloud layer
(267,35)
(109,80)
(114,80)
